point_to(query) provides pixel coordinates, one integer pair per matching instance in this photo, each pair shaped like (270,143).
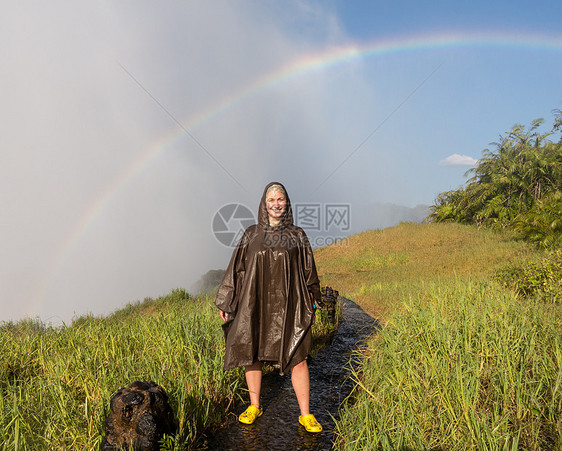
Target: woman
(267,299)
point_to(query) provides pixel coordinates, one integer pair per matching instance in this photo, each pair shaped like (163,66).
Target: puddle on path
(278,427)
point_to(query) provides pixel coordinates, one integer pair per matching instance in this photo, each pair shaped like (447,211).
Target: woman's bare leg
(301,384)
(253,379)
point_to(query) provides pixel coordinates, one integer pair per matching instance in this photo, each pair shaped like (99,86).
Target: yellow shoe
(310,423)
(250,415)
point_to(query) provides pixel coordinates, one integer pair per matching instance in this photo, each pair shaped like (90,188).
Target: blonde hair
(275,187)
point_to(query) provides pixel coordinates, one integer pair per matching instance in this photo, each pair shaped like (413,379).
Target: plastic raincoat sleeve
(309,269)
(226,299)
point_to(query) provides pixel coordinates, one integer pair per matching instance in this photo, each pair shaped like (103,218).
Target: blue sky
(365,20)
(126,126)
(478,93)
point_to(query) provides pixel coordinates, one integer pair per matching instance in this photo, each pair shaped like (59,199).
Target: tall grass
(56,383)
(466,366)
(378,267)
(463,362)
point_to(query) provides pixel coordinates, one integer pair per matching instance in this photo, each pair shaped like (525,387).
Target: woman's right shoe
(250,415)
(310,423)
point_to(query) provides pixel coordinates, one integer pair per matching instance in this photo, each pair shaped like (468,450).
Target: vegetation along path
(278,428)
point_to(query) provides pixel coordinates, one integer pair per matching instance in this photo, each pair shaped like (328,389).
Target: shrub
(540,278)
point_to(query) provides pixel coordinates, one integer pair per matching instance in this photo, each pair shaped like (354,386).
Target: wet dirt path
(278,427)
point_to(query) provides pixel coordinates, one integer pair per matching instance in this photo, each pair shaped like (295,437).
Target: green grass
(463,362)
(378,267)
(466,366)
(539,278)
(55,384)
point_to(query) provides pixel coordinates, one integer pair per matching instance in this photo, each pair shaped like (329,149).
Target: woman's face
(275,202)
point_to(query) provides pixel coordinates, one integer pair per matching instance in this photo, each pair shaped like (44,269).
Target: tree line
(516,185)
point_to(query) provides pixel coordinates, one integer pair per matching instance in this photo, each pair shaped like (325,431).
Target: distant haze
(127,125)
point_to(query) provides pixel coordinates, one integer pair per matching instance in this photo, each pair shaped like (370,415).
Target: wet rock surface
(140,415)
(329,300)
(278,428)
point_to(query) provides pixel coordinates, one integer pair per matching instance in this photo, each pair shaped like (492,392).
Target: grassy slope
(427,282)
(55,384)
(462,362)
(378,267)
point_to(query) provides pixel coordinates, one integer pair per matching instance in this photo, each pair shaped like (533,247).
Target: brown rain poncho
(267,291)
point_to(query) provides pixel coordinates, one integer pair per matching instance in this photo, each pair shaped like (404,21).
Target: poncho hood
(263,219)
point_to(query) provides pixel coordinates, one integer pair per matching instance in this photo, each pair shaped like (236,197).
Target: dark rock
(140,415)
(329,301)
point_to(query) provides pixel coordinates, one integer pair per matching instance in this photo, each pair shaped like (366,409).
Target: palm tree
(518,184)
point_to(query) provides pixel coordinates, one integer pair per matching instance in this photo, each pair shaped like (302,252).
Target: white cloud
(458,160)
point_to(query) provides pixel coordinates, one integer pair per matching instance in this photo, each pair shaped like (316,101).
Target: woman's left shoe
(310,423)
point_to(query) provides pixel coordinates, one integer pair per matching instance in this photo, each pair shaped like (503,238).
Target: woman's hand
(224,315)
(314,310)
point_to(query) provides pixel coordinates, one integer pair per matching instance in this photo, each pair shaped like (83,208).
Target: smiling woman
(268,299)
(275,201)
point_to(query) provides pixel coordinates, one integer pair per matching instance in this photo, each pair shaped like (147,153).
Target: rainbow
(302,66)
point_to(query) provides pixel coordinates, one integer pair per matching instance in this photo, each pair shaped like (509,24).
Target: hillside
(56,383)
(463,361)
(375,268)
(460,360)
